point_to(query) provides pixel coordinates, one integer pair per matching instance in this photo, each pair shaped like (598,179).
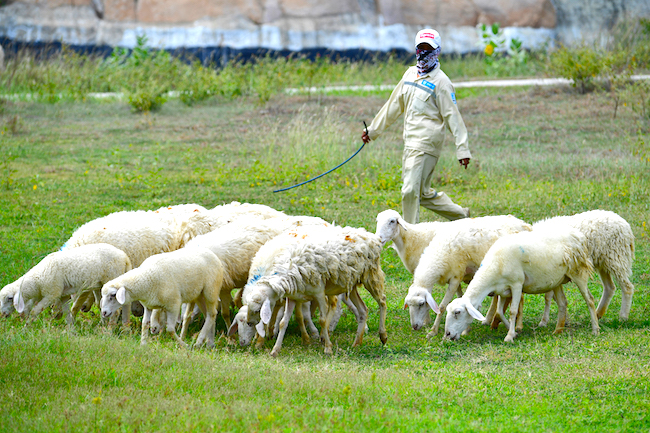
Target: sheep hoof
(274,353)
(509,339)
(383,337)
(543,323)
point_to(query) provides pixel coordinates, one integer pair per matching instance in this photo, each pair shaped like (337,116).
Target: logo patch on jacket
(453,97)
(429,84)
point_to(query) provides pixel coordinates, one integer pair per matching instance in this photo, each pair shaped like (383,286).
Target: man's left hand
(464,162)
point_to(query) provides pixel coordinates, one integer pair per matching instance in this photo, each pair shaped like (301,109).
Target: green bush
(581,64)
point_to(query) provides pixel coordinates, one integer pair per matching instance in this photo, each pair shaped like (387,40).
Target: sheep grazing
(409,240)
(528,262)
(452,257)
(334,260)
(237,243)
(141,234)
(165,281)
(261,263)
(610,243)
(67,273)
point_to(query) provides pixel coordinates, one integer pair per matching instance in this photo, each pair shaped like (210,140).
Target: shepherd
(427,98)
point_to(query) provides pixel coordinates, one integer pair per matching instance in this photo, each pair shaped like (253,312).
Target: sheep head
(419,301)
(389,223)
(114,295)
(7,295)
(240,325)
(460,313)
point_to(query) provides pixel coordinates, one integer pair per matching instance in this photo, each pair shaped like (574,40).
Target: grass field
(537,152)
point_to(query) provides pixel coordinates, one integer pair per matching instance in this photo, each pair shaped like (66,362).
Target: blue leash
(328,171)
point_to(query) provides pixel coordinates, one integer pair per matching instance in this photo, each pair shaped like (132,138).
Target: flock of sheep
(183,263)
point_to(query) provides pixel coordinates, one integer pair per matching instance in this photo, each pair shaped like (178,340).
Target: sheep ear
(265,312)
(234,326)
(474,312)
(19,303)
(261,329)
(121,295)
(432,303)
(401,222)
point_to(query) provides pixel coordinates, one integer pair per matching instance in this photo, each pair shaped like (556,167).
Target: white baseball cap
(428,36)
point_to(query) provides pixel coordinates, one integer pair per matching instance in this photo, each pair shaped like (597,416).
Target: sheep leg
(589,299)
(187,318)
(332,304)
(324,332)
(627,289)
(608,293)
(226,299)
(381,301)
(284,323)
(209,327)
(353,308)
(548,297)
(558,295)
(146,323)
(516,291)
(502,303)
(454,285)
(519,326)
(172,317)
(126,315)
(91,299)
(158,316)
(336,315)
(65,307)
(307,320)
(300,316)
(362,318)
(44,303)
(492,311)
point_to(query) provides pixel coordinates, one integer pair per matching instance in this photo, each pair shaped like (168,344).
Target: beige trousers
(417,171)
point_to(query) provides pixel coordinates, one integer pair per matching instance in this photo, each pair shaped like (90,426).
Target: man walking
(427,99)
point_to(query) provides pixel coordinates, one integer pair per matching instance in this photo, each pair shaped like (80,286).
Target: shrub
(581,64)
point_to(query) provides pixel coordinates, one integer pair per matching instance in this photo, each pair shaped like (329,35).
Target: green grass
(536,153)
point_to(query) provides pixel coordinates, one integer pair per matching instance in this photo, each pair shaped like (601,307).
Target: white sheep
(334,260)
(526,262)
(67,273)
(452,256)
(409,240)
(165,281)
(610,242)
(236,245)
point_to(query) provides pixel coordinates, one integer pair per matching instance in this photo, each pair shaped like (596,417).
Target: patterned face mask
(427,60)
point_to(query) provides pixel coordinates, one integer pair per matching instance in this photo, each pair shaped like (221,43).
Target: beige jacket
(428,103)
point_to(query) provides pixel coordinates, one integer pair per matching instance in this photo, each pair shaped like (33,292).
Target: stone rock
(521,13)
(188,11)
(119,10)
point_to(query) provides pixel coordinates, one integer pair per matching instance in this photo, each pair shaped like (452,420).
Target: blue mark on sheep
(522,250)
(255,278)
(63,247)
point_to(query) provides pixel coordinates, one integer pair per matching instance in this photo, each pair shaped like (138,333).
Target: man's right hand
(365,138)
